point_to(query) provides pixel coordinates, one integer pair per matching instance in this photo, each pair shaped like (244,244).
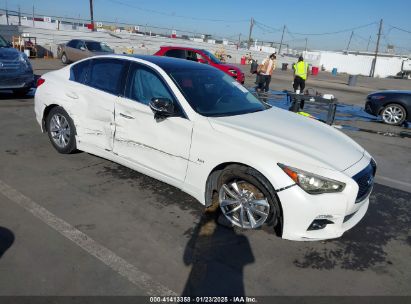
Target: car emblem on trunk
(1,64)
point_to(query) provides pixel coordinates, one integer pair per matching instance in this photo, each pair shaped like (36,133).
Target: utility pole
(19,16)
(306,43)
(251,30)
(349,41)
(239,41)
(91,15)
(33,16)
(368,44)
(374,62)
(7,13)
(281,43)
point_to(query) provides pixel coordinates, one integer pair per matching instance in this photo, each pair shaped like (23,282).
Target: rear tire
(64,59)
(394,114)
(61,131)
(247,199)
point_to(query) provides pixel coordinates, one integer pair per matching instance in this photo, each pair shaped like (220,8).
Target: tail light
(40,81)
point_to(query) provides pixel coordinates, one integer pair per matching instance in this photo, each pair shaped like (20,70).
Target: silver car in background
(78,49)
(16,73)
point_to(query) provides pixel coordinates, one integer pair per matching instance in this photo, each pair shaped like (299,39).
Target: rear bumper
(16,81)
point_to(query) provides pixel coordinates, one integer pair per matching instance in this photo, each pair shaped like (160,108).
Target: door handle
(126,116)
(72,95)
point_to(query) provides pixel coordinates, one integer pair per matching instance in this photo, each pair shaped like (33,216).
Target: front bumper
(372,108)
(343,210)
(11,81)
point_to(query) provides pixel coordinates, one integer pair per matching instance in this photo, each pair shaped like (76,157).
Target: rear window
(72,43)
(79,71)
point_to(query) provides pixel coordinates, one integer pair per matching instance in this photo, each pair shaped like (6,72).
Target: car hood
(9,54)
(229,66)
(288,134)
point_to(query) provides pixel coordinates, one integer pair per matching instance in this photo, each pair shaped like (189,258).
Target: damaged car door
(94,101)
(159,145)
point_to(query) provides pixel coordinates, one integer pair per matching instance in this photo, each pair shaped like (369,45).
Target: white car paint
(184,151)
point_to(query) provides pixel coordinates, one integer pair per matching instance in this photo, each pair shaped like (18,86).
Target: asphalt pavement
(81,225)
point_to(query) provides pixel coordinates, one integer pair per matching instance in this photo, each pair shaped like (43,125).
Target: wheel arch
(397,102)
(211,191)
(46,112)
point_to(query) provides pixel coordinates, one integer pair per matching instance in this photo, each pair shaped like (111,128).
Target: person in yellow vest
(264,72)
(300,74)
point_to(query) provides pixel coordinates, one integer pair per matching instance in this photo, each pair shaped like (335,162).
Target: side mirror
(82,48)
(161,107)
(202,60)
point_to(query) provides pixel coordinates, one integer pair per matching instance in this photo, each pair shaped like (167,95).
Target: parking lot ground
(81,225)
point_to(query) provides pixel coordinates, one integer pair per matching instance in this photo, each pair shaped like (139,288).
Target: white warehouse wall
(360,64)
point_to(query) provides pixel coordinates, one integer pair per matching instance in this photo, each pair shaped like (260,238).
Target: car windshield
(3,42)
(97,47)
(211,56)
(211,92)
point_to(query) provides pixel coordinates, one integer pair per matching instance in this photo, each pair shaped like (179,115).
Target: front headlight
(232,71)
(312,183)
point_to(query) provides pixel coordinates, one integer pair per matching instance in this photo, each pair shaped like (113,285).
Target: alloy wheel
(393,114)
(60,130)
(243,204)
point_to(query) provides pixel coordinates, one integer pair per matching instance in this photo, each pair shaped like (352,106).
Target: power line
(172,14)
(270,28)
(400,29)
(336,32)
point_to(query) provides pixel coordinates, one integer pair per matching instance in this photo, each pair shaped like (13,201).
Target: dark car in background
(394,107)
(78,49)
(202,56)
(16,73)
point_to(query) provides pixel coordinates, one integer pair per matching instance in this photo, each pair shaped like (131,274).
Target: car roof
(180,48)
(85,40)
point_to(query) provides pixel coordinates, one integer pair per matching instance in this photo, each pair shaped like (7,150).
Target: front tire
(393,114)
(246,198)
(61,131)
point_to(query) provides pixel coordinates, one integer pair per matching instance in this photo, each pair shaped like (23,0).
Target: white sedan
(192,126)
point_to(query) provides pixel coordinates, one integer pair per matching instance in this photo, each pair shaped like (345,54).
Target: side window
(106,74)
(144,84)
(176,54)
(191,55)
(79,44)
(79,71)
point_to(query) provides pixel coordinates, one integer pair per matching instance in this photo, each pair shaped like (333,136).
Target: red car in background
(202,56)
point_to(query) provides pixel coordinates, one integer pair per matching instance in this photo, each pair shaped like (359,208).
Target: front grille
(365,181)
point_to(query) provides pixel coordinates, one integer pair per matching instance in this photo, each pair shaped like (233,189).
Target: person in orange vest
(300,74)
(265,70)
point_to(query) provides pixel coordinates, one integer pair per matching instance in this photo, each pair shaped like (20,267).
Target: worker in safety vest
(300,74)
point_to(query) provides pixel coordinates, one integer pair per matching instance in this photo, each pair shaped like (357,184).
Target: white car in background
(194,127)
